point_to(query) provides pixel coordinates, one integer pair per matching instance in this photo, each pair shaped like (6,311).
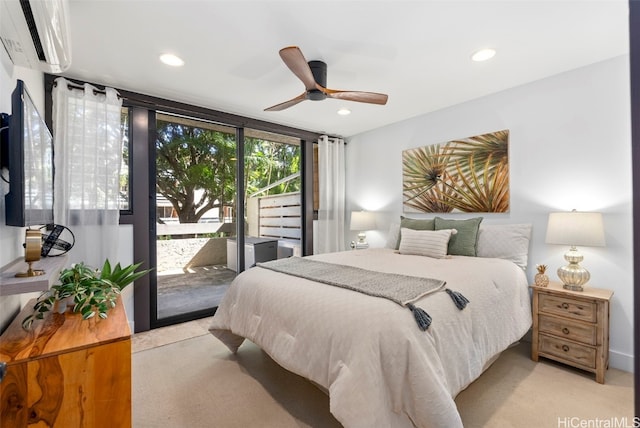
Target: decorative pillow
(430,243)
(415,224)
(505,241)
(465,242)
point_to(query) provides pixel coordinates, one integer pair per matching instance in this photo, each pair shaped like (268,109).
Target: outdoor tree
(267,162)
(195,169)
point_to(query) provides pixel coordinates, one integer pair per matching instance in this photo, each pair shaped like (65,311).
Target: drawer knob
(565,305)
(565,330)
(565,348)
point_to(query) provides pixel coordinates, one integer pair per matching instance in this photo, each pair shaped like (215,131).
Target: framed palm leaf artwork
(468,175)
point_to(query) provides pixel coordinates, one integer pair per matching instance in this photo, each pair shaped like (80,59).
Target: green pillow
(414,224)
(465,242)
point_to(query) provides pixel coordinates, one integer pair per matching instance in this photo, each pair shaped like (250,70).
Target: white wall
(570,147)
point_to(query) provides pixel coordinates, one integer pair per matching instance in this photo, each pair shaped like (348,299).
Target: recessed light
(483,54)
(344,111)
(172,60)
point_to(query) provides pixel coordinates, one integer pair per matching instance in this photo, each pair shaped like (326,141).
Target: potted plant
(88,291)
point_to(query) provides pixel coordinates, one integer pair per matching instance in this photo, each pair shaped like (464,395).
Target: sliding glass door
(196,212)
(273,193)
(195,199)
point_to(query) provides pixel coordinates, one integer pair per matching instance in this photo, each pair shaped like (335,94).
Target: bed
(378,367)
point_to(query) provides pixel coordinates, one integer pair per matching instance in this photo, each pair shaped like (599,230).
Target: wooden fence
(278,217)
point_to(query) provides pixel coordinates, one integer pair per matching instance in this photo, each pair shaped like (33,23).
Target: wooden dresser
(67,372)
(572,327)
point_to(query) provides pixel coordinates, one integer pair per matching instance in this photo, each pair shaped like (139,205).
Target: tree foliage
(267,162)
(196,168)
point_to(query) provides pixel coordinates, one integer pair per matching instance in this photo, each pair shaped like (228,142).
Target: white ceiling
(417,52)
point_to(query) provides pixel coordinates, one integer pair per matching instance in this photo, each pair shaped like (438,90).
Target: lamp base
(572,287)
(362,241)
(573,276)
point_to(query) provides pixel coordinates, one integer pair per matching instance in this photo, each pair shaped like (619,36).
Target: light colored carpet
(184,377)
(198,383)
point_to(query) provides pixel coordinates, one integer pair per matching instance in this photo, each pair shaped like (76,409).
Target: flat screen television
(26,151)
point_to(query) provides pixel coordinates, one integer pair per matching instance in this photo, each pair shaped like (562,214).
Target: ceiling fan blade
(288,104)
(362,97)
(293,58)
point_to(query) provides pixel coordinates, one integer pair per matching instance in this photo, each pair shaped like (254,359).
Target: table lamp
(575,228)
(362,221)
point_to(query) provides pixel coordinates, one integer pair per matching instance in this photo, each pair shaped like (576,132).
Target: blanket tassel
(422,317)
(458,299)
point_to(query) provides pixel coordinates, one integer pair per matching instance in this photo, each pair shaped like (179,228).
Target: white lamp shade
(576,229)
(363,220)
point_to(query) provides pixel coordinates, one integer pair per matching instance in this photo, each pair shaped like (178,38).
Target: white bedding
(380,370)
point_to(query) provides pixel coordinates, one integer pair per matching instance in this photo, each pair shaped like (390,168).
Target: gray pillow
(465,242)
(415,224)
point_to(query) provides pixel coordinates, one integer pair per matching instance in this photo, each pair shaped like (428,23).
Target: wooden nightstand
(572,327)
(66,371)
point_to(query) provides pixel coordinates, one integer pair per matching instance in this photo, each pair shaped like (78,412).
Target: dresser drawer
(568,307)
(564,350)
(562,327)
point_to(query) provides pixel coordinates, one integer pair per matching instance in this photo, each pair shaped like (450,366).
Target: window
(125,204)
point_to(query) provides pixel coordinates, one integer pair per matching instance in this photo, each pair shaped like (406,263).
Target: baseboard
(621,361)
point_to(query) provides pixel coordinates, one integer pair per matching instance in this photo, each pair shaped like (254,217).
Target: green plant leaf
(106,269)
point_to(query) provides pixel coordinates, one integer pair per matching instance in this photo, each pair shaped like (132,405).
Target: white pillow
(430,243)
(393,236)
(505,241)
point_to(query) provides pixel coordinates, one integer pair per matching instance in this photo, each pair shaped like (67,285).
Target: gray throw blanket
(401,289)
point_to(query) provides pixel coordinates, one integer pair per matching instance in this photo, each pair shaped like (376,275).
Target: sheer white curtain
(87,139)
(331,183)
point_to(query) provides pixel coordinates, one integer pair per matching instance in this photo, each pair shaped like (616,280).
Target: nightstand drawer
(568,307)
(562,327)
(580,354)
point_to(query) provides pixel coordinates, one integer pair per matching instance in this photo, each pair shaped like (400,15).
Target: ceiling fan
(313,75)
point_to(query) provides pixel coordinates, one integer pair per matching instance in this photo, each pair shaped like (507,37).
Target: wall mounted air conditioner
(36,33)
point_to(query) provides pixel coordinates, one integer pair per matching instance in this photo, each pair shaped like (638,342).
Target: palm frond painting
(468,175)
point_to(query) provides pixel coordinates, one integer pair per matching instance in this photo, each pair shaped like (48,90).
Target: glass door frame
(154,321)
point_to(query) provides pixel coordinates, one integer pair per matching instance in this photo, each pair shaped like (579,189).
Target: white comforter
(380,370)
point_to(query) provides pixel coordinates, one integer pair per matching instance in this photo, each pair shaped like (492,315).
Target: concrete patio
(193,289)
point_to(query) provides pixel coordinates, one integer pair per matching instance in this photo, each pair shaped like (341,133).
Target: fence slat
(280,232)
(280,222)
(280,200)
(280,212)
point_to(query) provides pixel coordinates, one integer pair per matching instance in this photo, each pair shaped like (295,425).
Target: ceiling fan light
(172,60)
(483,54)
(344,112)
